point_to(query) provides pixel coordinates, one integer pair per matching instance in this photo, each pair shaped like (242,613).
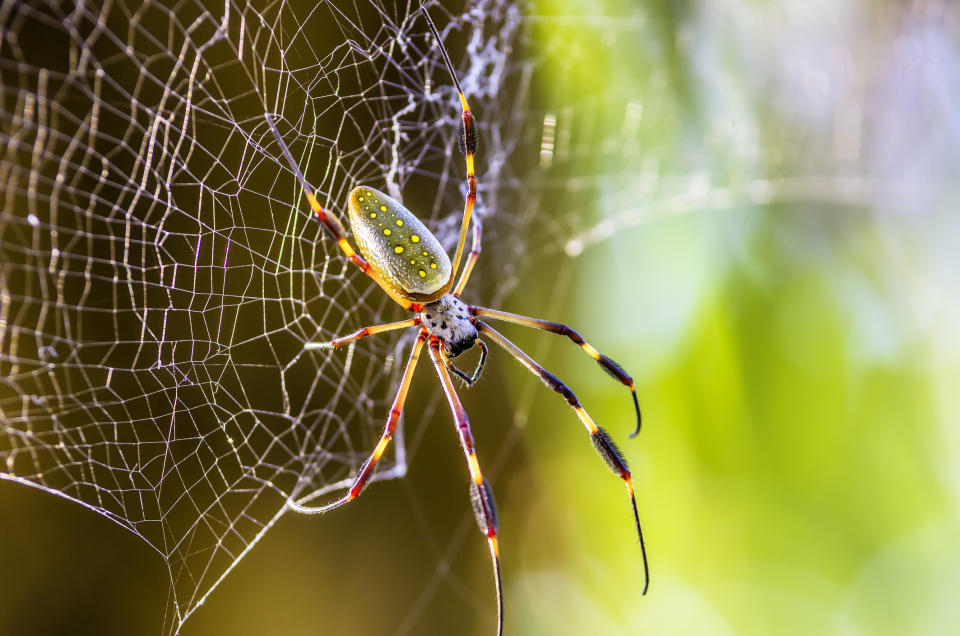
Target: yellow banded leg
(467,141)
(467,213)
(605,363)
(481,494)
(363,333)
(334,227)
(471,259)
(601,440)
(388,430)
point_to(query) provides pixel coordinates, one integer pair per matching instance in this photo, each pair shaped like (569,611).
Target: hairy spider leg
(363,333)
(606,363)
(476,372)
(467,140)
(389,428)
(601,441)
(335,228)
(480,492)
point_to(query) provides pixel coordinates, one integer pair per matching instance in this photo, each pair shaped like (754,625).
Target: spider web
(159,274)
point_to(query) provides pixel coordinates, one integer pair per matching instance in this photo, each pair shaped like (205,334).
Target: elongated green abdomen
(397,243)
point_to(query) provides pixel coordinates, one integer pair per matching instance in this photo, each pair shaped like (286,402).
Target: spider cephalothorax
(449,320)
(402,256)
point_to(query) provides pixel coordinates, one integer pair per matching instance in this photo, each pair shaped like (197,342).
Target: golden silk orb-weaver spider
(404,258)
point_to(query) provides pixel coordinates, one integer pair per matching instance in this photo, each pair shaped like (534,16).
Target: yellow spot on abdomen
(383,208)
(398,249)
(422,273)
(387,232)
(399,223)
(415,238)
(433,266)
(373,215)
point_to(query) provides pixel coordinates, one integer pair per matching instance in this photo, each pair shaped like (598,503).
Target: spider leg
(365,473)
(471,259)
(606,363)
(476,372)
(601,441)
(480,492)
(333,226)
(363,333)
(467,140)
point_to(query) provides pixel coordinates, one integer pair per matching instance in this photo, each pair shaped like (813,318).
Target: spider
(407,261)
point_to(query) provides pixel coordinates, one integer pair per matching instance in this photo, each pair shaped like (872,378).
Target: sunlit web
(159,275)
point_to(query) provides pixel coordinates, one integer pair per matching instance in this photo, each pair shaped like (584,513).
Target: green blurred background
(757,216)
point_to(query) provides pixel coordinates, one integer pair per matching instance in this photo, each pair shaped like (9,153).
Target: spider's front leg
(467,141)
(363,476)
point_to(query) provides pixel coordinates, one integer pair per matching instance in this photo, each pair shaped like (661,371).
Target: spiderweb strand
(160,274)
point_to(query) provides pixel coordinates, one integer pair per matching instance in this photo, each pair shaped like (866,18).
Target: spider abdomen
(396,243)
(449,320)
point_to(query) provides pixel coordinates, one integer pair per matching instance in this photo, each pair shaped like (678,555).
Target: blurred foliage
(784,287)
